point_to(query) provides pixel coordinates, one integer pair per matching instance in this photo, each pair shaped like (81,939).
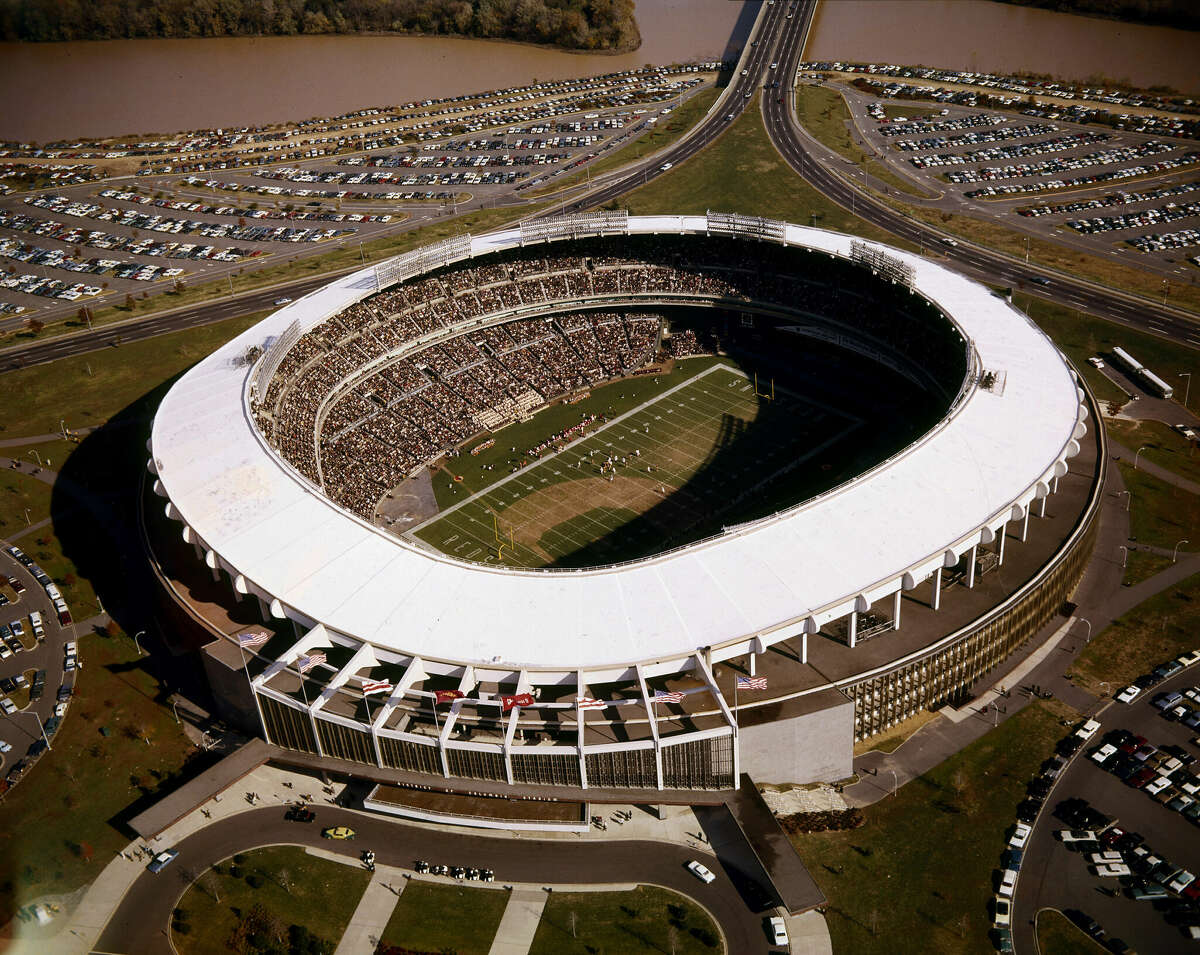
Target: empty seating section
(359,431)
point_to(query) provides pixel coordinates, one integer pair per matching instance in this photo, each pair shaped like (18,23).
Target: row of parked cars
(455,871)
(1161,672)
(1030,807)
(52,591)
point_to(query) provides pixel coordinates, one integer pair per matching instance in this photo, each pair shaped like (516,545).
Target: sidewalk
(374,910)
(519,924)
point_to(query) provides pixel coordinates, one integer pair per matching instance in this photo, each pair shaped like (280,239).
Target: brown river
(1002,38)
(60,90)
(64,90)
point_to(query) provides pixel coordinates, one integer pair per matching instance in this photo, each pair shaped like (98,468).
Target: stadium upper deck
(998,452)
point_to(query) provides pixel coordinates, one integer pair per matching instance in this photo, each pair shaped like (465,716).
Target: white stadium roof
(257,519)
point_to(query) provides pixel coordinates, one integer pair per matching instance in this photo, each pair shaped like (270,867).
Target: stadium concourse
(922,504)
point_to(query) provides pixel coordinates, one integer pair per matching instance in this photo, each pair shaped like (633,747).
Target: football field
(669,471)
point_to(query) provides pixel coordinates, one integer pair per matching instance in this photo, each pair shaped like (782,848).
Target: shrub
(254,880)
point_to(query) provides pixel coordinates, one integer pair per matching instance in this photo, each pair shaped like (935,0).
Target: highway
(806,157)
(140,924)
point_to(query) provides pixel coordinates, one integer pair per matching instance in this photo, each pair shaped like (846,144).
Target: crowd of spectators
(376,392)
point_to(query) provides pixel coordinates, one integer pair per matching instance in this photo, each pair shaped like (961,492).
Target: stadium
(606,505)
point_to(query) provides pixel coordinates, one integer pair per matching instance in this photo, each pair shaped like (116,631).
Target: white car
(777,930)
(1129,694)
(5,746)
(1003,912)
(1157,785)
(1008,882)
(774,66)
(665,166)
(701,872)
(1020,835)
(60,710)
(1181,880)
(1113,870)
(1104,753)
(8,706)
(282,301)
(1087,729)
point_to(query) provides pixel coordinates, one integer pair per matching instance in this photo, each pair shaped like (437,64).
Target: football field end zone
(476,537)
(533,465)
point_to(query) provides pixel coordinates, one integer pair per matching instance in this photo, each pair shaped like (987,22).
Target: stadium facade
(384,657)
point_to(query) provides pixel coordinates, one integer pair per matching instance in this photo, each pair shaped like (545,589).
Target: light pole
(140,633)
(37,457)
(1136,455)
(1026,250)
(1089,628)
(1188,388)
(1128,497)
(175,708)
(1175,554)
(28,522)
(41,728)
(1166,289)
(1125,555)
(895,783)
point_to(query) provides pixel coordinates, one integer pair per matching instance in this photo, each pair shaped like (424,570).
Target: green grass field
(684,461)
(435,917)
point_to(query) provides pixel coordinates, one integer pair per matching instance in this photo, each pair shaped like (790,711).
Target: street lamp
(1175,554)
(140,633)
(1187,390)
(37,457)
(28,522)
(1135,456)
(1089,628)
(1124,556)
(895,783)
(1128,497)
(41,728)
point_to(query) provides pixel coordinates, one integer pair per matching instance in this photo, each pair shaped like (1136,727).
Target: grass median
(264,900)
(440,917)
(741,171)
(1160,514)
(1157,629)
(892,888)
(1057,935)
(1160,444)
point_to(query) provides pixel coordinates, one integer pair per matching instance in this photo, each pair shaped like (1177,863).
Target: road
(140,923)
(811,161)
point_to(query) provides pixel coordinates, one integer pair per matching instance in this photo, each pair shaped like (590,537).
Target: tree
(212,885)
(35,325)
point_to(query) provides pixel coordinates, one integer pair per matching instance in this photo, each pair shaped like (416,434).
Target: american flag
(304,664)
(661,696)
(752,682)
(253,638)
(376,686)
(587,703)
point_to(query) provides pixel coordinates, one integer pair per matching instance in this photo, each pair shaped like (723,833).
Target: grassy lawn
(1164,446)
(1080,336)
(668,129)
(823,112)
(891,741)
(1160,513)
(1142,565)
(89,389)
(117,747)
(892,888)
(437,917)
(1157,629)
(1058,935)
(646,920)
(742,172)
(295,888)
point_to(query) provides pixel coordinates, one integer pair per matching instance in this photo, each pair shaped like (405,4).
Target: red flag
(521,699)
(447,696)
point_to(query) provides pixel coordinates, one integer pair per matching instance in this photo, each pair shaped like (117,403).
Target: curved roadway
(140,922)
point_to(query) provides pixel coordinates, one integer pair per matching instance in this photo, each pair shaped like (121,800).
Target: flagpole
(736,728)
(367,704)
(437,725)
(304,694)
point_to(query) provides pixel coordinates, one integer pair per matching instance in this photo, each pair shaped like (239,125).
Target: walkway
(520,922)
(374,910)
(1154,470)
(1100,599)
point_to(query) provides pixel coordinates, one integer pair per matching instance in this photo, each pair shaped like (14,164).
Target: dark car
(1027,811)
(299,814)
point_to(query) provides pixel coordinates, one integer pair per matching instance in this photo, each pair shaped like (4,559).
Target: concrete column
(1003,534)
(237,594)
(853,628)
(804,648)
(216,574)
(753,657)
(1042,507)
(937,589)
(1054,487)
(264,609)
(896,610)
(197,548)
(1025,526)
(971,567)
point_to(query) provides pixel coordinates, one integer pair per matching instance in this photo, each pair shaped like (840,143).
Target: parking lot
(1117,844)
(220,202)
(1074,173)
(39,660)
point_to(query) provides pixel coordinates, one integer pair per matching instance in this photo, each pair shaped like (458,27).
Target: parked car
(338,832)
(701,872)
(1020,835)
(299,814)
(777,931)
(162,860)
(1129,694)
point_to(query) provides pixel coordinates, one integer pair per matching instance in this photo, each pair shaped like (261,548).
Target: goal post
(769,389)
(501,542)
